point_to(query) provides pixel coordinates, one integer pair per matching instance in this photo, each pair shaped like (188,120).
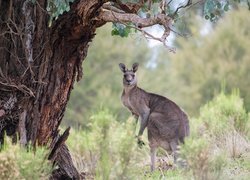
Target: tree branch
(112,8)
(111,16)
(107,15)
(189,2)
(150,36)
(20,87)
(129,7)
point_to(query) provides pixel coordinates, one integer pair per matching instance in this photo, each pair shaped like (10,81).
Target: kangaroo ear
(135,67)
(122,67)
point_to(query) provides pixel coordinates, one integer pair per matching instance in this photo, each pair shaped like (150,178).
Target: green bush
(8,166)
(219,137)
(109,149)
(196,153)
(18,163)
(224,113)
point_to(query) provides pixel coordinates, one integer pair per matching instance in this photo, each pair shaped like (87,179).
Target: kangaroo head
(129,76)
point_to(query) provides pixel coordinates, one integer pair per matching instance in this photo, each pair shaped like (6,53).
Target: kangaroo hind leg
(174,147)
(153,158)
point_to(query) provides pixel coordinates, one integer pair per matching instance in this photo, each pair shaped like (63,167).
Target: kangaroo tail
(185,130)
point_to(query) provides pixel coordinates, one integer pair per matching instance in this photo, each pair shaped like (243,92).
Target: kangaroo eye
(133,76)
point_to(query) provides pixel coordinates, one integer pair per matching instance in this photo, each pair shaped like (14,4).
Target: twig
(188,8)
(183,6)
(150,36)
(179,34)
(162,174)
(169,2)
(21,88)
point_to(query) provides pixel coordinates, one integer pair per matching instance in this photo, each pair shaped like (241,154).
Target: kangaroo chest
(135,101)
(126,101)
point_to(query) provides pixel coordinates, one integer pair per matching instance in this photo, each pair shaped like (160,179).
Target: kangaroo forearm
(142,128)
(135,116)
(144,123)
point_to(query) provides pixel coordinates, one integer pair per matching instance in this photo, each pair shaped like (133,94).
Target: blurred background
(212,56)
(208,76)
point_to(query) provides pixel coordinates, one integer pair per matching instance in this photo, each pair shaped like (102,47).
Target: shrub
(219,134)
(109,150)
(8,166)
(226,122)
(18,163)
(224,113)
(196,153)
(33,165)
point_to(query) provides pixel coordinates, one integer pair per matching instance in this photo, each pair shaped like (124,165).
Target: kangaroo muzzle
(129,78)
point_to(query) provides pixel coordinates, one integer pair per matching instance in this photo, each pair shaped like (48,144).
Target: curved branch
(138,22)
(111,16)
(129,7)
(150,36)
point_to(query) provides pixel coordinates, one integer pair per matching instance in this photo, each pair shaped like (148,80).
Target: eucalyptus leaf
(226,7)
(120,29)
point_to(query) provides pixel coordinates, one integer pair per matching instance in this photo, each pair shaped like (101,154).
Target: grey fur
(166,122)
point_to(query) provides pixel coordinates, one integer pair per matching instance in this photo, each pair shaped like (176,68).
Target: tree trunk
(39,65)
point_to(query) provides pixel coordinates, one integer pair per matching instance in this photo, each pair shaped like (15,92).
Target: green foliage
(224,113)
(203,62)
(120,29)
(196,153)
(8,167)
(18,163)
(202,162)
(57,7)
(172,174)
(34,165)
(218,138)
(108,149)
(213,9)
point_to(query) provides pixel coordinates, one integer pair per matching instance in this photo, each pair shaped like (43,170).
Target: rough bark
(39,65)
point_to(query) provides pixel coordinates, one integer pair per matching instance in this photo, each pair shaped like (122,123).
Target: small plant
(109,149)
(33,165)
(219,136)
(224,113)
(226,122)
(8,167)
(18,163)
(196,153)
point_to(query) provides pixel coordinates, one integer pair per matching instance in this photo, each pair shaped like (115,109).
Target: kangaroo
(166,123)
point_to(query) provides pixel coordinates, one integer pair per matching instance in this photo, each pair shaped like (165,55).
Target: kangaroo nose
(129,79)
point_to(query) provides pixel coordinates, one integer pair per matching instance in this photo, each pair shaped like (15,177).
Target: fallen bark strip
(60,156)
